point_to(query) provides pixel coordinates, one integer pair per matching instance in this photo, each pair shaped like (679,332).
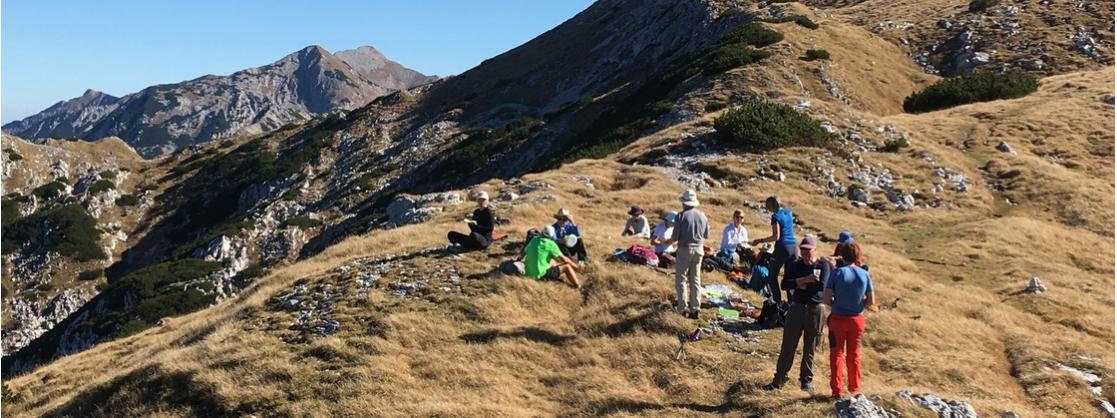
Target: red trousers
(845,336)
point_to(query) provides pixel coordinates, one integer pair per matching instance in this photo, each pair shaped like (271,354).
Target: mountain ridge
(160,118)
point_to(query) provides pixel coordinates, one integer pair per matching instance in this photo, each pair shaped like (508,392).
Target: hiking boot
(772,386)
(805,385)
(692,315)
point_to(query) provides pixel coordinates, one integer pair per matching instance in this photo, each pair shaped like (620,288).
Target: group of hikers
(839,282)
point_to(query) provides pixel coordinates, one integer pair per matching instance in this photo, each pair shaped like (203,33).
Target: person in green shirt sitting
(540,255)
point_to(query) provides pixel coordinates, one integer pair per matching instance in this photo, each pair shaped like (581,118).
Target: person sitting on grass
(568,236)
(733,237)
(637,224)
(480,228)
(540,256)
(660,236)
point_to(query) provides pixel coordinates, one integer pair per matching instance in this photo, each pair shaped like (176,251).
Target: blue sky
(54,50)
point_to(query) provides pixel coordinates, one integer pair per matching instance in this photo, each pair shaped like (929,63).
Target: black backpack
(772,314)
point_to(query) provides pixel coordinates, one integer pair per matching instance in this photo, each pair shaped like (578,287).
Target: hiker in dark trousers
(691,230)
(805,277)
(783,234)
(480,228)
(849,290)
(569,237)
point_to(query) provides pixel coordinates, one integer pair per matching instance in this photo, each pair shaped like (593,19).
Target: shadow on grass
(154,388)
(528,333)
(631,406)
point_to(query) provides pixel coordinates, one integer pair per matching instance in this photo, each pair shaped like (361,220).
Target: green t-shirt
(538,255)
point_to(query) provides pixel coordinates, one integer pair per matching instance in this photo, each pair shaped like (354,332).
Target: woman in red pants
(849,290)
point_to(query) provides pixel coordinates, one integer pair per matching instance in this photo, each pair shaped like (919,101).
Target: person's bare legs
(571,275)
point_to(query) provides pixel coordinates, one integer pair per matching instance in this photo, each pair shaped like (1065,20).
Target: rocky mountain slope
(162,118)
(1045,36)
(69,210)
(321,243)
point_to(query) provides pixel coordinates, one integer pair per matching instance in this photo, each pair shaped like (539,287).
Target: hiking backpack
(773,314)
(640,254)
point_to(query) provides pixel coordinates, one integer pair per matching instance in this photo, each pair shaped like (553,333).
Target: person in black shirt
(805,278)
(480,228)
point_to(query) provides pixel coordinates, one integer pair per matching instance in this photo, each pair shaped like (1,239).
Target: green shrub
(159,293)
(760,126)
(978,87)
(66,229)
(8,396)
(474,153)
(729,56)
(800,20)
(100,186)
(50,190)
(753,34)
(894,145)
(715,105)
(148,187)
(14,156)
(302,222)
(127,200)
(980,5)
(93,274)
(9,211)
(107,175)
(817,54)
(253,271)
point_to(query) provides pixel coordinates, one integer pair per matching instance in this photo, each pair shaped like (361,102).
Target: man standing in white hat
(691,230)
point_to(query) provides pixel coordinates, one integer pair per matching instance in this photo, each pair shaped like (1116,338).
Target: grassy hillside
(493,345)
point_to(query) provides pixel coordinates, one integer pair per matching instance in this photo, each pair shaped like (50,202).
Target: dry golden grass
(510,346)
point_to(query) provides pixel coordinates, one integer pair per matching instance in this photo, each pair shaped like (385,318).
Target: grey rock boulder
(860,406)
(1005,148)
(857,194)
(945,409)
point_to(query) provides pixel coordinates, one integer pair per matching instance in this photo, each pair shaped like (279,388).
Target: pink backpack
(640,254)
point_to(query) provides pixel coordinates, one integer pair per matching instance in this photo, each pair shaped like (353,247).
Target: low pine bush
(753,34)
(49,191)
(816,54)
(977,6)
(71,232)
(127,200)
(978,87)
(800,20)
(100,186)
(715,105)
(730,56)
(302,222)
(761,126)
(91,274)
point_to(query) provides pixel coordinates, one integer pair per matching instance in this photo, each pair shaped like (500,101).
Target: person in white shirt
(660,237)
(663,232)
(733,236)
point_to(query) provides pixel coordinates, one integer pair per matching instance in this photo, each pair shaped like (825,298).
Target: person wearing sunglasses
(734,236)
